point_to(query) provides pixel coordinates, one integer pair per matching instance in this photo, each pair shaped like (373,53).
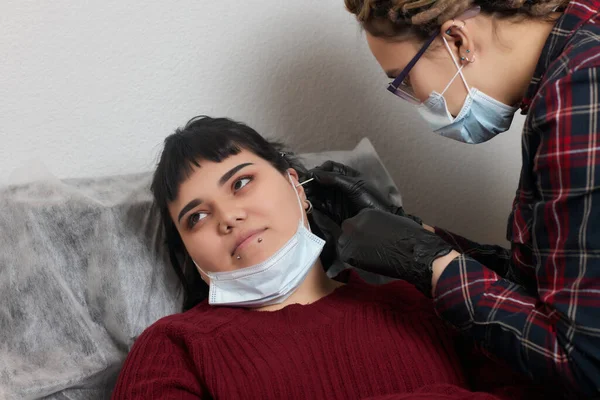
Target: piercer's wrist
(439,266)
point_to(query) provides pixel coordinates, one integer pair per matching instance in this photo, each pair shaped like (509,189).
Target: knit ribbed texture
(361,341)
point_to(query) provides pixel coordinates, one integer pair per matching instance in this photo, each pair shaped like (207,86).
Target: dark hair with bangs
(211,139)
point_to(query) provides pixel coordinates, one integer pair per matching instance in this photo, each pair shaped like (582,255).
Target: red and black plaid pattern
(537,306)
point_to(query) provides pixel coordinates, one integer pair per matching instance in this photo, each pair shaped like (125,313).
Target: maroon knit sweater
(361,341)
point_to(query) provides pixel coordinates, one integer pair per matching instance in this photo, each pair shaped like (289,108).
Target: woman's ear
(459,39)
(296,181)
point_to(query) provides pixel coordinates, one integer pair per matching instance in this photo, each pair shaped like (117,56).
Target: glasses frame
(395,87)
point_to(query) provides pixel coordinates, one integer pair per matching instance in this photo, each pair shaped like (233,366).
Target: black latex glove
(340,192)
(391,245)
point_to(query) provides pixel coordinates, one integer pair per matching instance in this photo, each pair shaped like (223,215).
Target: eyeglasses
(398,86)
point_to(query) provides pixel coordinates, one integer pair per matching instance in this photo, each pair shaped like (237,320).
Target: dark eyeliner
(189,224)
(250,177)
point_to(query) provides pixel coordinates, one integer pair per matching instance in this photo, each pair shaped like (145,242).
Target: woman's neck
(515,51)
(315,286)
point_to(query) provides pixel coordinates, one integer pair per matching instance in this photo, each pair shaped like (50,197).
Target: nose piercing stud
(259,240)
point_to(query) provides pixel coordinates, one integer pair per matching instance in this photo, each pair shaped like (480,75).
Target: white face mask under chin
(273,280)
(480,119)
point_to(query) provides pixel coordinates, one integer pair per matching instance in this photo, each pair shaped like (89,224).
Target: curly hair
(421,18)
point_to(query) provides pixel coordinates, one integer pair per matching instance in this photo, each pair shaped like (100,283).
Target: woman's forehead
(210,174)
(391,55)
(208,168)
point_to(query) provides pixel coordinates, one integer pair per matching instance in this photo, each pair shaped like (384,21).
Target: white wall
(92,87)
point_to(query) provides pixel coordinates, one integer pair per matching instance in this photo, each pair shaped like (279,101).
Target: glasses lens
(405,92)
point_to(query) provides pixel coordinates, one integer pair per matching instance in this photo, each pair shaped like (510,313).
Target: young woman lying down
(263,319)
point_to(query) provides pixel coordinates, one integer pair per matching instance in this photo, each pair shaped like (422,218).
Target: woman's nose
(230,216)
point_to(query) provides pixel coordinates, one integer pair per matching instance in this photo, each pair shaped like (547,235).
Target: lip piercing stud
(239,257)
(259,240)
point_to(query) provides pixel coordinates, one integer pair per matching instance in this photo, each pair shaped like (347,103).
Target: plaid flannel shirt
(537,306)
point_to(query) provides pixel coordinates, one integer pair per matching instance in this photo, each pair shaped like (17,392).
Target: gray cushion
(84,272)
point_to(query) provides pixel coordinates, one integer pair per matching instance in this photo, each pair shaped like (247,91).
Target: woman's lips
(249,238)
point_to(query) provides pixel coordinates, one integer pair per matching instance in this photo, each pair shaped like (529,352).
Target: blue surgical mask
(273,280)
(480,119)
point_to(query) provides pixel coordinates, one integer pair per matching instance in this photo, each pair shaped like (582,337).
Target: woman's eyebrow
(227,175)
(188,207)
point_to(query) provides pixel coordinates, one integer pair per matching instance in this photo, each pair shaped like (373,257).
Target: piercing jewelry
(239,257)
(449,31)
(259,240)
(459,27)
(310,207)
(465,58)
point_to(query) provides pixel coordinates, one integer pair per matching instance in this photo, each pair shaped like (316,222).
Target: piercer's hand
(341,193)
(393,246)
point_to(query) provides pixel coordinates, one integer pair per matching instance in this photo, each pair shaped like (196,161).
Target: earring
(468,59)
(458,27)
(310,207)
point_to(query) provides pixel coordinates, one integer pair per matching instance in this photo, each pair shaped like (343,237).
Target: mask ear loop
(297,196)
(459,72)
(200,269)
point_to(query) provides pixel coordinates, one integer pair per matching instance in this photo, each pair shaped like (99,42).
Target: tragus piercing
(468,51)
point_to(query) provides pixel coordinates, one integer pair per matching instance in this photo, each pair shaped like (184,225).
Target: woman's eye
(195,218)
(240,183)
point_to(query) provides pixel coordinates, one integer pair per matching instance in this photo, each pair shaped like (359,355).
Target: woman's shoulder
(199,320)
(581,50)
(577,57)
